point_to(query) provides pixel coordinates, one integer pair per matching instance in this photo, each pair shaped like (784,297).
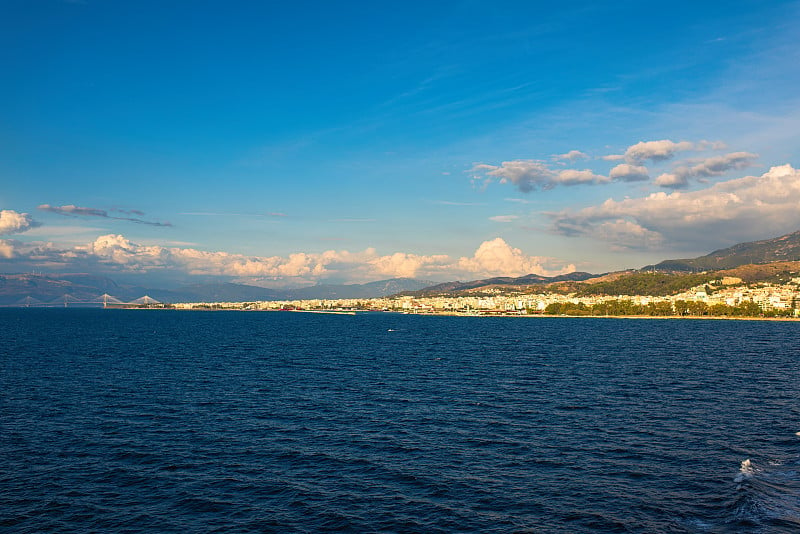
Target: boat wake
(767,497)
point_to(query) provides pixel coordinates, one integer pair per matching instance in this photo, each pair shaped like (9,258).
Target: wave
(767,497)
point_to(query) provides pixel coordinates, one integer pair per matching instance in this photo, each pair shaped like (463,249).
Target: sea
(234,421)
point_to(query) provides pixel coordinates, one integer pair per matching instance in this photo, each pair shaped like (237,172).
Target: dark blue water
(166,421)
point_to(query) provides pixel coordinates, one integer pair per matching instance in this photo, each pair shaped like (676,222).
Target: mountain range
(769,259)
(19,289)
(783,248)
(501,281)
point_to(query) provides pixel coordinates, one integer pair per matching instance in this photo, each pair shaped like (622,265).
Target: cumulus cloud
(721,164)
(6,249)
(655,150)
(629,173)
(405,265)
(116,250)
(528,175)
(496,257)
(715,166)
(730,211)
(574,177)
(77,211)
(35,254)
(12,222)
(572,155)
(672,180)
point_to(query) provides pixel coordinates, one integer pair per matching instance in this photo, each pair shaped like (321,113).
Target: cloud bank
(530,174)
(116,253)
(715,166)
(731,211)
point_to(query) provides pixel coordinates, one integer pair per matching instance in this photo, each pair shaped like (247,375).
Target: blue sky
(280,144)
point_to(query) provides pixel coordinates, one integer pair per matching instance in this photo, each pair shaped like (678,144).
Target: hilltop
(783,248)
(499,284)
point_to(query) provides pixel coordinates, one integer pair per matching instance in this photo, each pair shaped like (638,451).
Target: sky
(288,144)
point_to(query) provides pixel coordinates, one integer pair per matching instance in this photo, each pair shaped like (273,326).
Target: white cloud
(12,222)
(731,211)
(504,218)
(116,253)
(672,180)
(404,265)
(574,177)
(656,150)
(528,175)
(715,166)
(629,173)
(41,254)
(498,258)
(6,249)
(572,155)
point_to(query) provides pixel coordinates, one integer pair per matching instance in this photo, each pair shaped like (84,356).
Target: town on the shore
(723,297)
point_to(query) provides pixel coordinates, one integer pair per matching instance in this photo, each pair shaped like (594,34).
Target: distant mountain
(44,289)
(228,292)
(784,248)
(75,287)
(527,280)
(222,292)
(779,252)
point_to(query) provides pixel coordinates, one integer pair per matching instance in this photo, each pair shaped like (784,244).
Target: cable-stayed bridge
(67,300)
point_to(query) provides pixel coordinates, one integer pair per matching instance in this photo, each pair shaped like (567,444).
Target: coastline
(646,317)
(352,312)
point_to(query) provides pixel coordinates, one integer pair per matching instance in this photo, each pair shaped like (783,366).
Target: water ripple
(269,422)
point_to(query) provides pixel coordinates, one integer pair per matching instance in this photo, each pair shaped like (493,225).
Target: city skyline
(282,145)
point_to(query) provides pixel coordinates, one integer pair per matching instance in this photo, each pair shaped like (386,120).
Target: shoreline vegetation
(715,312)
(622,308)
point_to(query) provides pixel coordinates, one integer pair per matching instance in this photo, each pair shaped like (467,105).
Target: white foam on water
(770,498)
(745,471)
